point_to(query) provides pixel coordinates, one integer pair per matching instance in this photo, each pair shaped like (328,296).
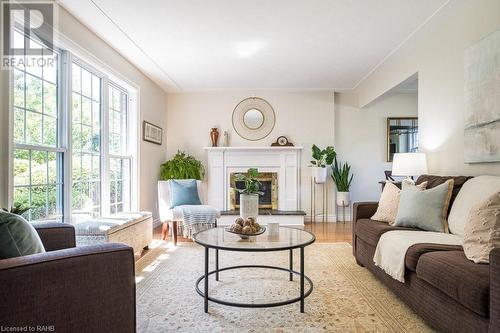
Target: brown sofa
(68,288)
(451,293)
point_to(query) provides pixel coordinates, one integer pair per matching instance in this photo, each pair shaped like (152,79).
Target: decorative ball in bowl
(246,227)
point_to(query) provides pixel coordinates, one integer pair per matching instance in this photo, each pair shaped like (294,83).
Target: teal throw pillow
(17,237)
(424,210)
(184,192)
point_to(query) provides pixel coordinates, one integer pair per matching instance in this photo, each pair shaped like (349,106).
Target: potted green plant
(342,177)
(321,159)
(249,195)
(17,208)
(182,166)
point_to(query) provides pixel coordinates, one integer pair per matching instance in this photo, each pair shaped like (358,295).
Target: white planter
(319,174)
(249,205)
(343,199)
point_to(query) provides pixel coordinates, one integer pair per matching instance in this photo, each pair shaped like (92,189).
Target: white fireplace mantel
(285,161)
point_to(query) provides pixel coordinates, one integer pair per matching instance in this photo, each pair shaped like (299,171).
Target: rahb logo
(27,31)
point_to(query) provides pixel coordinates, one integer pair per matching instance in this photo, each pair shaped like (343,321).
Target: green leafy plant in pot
(249,195)
(321,159)
(342,177)
(18,209)
(182,166)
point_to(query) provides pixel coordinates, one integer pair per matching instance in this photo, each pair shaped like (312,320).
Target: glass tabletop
(286,238)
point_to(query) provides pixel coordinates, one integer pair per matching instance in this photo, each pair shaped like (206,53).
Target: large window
(38,156)
(119,155)
(72,155)
(86,142)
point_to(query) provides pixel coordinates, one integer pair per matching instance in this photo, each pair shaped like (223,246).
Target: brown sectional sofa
(450,292)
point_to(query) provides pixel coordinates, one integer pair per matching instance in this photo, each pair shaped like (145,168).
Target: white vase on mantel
(343,199)
(249,205)
(319,174)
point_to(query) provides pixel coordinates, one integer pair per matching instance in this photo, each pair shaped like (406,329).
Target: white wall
(152,104)
(303,117)
(361,138)
(436,52)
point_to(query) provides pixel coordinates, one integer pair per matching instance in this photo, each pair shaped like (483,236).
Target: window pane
(37,175)
(86,145)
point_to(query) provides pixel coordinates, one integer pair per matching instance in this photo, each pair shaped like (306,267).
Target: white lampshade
(409,164)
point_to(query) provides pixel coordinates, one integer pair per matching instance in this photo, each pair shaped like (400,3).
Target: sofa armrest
(89,288)
(56,236)
(495,290)
(361,210)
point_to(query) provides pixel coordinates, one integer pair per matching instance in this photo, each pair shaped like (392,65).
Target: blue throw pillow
(184,192)
(426,209)
(17,237)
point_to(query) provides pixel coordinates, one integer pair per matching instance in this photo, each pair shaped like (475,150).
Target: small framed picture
(151,133)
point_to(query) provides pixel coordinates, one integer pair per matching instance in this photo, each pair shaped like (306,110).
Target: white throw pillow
(389,202)
(482,230)
(474,192)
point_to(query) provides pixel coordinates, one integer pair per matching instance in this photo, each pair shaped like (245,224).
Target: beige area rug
(346,297)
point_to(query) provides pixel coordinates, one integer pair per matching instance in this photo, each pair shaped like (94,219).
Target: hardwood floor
(324,232)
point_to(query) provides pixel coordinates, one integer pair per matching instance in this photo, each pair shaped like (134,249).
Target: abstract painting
(482,99)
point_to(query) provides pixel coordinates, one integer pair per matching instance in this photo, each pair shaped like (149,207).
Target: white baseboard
(156,223)
(331,218)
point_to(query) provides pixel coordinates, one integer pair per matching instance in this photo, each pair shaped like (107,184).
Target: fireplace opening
(269,185)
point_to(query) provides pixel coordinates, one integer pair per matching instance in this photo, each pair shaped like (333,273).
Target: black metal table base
(302,295)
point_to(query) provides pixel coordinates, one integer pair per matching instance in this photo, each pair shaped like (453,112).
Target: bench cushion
(108,225)
(456,276)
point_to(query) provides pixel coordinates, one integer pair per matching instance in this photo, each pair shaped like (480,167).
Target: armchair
(68,288)
(169,215)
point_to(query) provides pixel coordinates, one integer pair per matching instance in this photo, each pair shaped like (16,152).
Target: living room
(250,166)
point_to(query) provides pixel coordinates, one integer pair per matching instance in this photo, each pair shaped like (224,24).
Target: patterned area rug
(346,297)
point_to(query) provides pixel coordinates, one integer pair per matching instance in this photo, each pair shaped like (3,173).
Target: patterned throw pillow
(425,210)
(482,230)
(389,202)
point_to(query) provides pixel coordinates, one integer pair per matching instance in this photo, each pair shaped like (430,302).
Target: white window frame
(70,52)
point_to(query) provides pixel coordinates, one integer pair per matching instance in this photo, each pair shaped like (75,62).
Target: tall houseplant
(342,177)
(182,166)
(249,195)
(321,159)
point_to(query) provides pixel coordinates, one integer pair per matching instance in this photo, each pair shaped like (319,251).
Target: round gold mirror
(253,118)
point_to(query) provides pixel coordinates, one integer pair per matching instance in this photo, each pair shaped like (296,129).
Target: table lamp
(409,164)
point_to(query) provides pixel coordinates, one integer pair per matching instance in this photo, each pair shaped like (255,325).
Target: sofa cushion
(433,181)
(474,192)
(370,230)
(415,251)
(17,237)
(456,276)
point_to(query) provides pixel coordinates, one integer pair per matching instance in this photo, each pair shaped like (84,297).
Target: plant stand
(348,205)
(324,199)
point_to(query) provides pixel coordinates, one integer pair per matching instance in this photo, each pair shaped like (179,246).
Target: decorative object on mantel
(340,176)
(321,159)
(282,141)
(482,100)
(151,133)
(249,196)
(214,136)
(225,139)
(253,118)
(182,166)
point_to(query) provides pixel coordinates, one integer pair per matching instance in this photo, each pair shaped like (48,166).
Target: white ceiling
(190,45)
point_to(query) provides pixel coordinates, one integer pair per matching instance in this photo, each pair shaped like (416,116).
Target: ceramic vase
(343,199)
(249,205)
(214,135)
(319,174)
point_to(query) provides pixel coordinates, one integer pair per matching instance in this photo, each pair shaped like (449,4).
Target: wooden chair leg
(174,232)
(164,231)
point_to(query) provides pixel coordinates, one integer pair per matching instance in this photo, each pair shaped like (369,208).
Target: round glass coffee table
(287,239)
